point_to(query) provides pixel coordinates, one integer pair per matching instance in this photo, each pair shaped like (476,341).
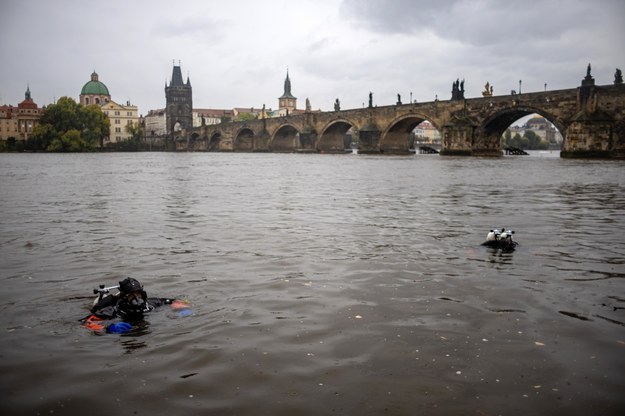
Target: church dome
(94,87)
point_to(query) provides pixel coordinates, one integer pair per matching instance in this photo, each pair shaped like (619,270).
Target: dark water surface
(348,285)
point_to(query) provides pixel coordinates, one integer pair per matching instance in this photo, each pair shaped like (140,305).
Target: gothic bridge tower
(287,101)
(179,107)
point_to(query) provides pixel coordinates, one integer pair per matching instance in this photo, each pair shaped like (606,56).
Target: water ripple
(319,284)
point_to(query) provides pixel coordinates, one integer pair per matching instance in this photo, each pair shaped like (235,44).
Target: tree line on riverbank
(529,141)
(68,126)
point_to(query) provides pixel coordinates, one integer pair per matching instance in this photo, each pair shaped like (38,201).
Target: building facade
(542,127)
(8,125)
(427,133)
(120,117)
(155,123)
(210,116)
(18,123)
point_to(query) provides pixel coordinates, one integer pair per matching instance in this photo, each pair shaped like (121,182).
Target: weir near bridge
(590,117)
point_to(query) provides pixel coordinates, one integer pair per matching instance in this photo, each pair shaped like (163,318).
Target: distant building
(96,92)
(7,125)
(253,112)
(211,116)
(542,127)
(425,132)
(179,103)
(18,123)
(155,123)
(120,117)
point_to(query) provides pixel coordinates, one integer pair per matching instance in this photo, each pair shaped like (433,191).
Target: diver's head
(133,295)
(129,285)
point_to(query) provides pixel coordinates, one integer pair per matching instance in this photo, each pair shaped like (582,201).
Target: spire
(176,77)
(287,86)
(287,83)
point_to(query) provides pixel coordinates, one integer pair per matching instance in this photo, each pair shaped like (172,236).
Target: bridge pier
(486,144)
(594,132)
(457,139)
(591,138)
(308,141)
(261,142)
(369,141)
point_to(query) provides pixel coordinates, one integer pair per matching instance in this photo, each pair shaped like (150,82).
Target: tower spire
(176,76)
(287,100)
(287,83)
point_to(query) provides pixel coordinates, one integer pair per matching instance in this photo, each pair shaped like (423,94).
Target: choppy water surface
(348,285)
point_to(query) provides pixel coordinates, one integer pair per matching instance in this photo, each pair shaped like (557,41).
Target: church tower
(287,101)
(179,103)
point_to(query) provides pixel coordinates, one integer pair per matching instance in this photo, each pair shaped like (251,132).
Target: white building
(120,117)
(211,116)
(155,123)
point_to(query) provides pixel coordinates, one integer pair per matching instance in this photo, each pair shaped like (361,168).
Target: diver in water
(130,304)
(500,239)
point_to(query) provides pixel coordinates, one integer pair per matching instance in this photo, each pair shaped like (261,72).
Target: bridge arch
(244,140)
(489,134)
(286,138)
(214,141)
(332,137)
(395,139)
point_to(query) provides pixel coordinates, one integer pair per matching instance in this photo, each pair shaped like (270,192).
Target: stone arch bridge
(591,119)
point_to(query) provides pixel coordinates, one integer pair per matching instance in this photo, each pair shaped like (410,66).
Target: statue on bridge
(618,77)
(398,99)
(337,105)
(307,104)
(588,80)
(457,90)
(488,90)
(370,99)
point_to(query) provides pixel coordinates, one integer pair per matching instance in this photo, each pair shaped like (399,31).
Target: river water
(320,284)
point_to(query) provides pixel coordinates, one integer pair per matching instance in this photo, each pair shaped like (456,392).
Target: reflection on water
(320,284)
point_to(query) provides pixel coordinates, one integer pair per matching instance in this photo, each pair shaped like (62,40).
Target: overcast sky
(236,53)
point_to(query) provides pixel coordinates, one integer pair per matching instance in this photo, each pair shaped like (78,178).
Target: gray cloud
(483,22)
(236,53)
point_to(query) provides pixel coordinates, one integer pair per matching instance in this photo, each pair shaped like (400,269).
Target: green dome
(94,87)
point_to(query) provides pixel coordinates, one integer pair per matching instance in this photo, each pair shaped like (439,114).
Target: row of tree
(529,141)
(68,126)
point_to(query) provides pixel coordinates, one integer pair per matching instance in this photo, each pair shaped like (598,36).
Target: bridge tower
(287,102)
(179,104)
